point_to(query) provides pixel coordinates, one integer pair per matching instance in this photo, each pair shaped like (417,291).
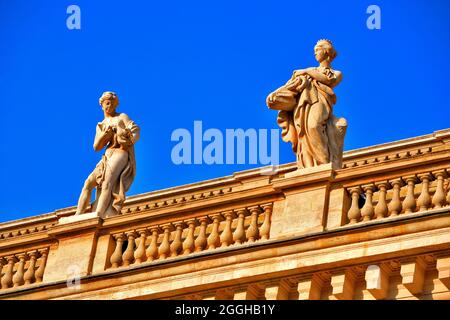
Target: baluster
(7,278)
(395,206)
(448,187)
(367,210)
(43,261)
(18,276)
(424,200)
(409,203)
(139,254)
(177,245)
(29,275)
(128,255)
(381,209)
(264,230)
(201,241)
(252,231)
(152,250)
(439,195)
(164,247)
(188,243)
(354,213)
(116,257)
(214,239)
(239,232)
(226,238)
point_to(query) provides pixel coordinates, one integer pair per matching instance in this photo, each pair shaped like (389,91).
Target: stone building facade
(379,228)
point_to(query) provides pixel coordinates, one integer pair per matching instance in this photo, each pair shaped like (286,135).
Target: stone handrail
(23,268)
(183,237)
(409,193)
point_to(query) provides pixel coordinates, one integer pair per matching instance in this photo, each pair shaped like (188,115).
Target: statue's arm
(102,136)
(319,76)
(132,126)
(301,72)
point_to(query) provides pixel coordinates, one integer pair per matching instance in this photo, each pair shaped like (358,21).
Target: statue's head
(324,51)
(109,101)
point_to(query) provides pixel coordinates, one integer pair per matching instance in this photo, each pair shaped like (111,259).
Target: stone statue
(115,172)
(305,105)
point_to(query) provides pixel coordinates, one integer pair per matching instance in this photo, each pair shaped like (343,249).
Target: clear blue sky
(173,62)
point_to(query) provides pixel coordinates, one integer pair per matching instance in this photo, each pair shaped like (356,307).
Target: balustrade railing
(401,195)
(21,269)
(184,237)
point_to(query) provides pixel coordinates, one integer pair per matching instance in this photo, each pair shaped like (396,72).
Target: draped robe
(306,119)
(121,185)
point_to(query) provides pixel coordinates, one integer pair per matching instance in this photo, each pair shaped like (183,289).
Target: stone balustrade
(22,269)
(409,193)
(184,237)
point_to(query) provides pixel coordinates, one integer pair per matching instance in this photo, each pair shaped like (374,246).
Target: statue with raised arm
(305,111)
(115,172)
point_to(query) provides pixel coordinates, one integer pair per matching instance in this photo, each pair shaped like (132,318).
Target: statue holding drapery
(115,172)
(305,111)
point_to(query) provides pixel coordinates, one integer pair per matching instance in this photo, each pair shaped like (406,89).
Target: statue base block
(308,171)
(306,194)
(79,217)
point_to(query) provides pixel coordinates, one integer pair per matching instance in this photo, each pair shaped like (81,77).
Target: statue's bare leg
(115,164)
(85,195)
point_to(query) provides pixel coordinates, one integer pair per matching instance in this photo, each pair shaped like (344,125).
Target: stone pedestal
(77,240)
(305,207)
(77,218)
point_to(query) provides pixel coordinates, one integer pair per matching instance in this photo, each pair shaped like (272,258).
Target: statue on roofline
(305,111)
(115,172)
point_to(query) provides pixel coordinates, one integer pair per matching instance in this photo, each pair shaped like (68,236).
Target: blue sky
(172,63)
